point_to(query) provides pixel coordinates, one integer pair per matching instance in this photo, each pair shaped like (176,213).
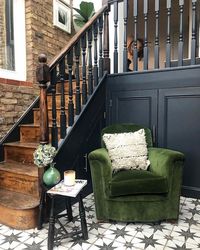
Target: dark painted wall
(84,137)
(168,102)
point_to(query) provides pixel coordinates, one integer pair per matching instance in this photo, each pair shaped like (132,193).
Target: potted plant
(43,157)
(85,13)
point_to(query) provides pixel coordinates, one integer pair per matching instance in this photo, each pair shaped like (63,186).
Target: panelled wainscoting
(168,103)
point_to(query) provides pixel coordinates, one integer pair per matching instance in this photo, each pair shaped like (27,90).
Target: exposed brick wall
(41,37)
(14,100)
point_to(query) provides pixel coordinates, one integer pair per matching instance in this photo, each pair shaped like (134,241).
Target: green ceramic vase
(51,176)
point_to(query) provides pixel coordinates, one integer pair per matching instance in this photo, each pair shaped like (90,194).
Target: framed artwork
(62,15)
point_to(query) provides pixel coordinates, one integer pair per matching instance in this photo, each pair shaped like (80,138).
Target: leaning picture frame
(62,16)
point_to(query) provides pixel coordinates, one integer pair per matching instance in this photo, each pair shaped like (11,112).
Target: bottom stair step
(17,210)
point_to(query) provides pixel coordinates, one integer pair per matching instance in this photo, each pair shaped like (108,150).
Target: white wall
(19,43)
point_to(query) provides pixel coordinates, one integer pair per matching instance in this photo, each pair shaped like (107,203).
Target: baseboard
(192,192)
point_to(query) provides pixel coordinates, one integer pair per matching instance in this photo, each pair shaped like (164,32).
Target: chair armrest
(100,165)
(164,160)
(101,172)
(100,154)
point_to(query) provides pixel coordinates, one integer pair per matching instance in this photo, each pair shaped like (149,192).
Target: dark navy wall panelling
(168,102)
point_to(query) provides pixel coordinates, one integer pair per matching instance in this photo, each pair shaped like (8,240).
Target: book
(65,190)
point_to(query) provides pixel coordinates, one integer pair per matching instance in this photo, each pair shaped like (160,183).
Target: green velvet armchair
(149,195)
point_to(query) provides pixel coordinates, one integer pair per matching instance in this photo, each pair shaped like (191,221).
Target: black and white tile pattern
(114,236)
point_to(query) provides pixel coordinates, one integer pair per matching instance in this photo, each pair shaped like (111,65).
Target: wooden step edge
(50,109)
(19,168)
(66,93)
(32,145)
(17,201)
(18,216)
(33,125)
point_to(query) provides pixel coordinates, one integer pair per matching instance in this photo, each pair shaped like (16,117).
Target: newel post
(106,59)
(42,76)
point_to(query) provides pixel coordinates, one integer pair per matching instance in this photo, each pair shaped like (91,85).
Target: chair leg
(172,221)
(104,221)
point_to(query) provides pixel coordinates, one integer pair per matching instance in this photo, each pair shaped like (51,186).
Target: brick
(2,120)
(8,95)
(8,101)
(16,96)
(9,107)
(39,16)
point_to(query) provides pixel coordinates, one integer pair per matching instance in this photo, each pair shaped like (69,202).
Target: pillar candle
(69,177)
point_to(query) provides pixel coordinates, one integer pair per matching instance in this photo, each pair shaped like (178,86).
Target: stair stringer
(83,136)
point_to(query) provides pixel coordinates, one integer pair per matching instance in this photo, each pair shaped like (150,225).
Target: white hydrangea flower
(44,155)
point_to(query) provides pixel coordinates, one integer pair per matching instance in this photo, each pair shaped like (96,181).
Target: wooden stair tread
(29,125)
(20,168)
(17,201)
(35,125)
(22,144)
(50,109)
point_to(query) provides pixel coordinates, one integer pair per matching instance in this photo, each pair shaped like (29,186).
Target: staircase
(66,101)
(19,188)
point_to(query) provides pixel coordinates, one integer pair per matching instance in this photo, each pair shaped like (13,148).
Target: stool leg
(51,226)
(82,216)
(40,218)
(69,208)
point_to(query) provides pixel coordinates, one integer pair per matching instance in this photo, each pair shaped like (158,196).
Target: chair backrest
(125,128)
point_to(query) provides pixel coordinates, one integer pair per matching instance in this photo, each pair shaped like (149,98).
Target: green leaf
(80,13)
(77,16)
(92,14)
(79,23)
(85,13)
(87,8)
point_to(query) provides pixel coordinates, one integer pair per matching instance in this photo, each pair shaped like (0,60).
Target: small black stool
(55,218)
(44,207)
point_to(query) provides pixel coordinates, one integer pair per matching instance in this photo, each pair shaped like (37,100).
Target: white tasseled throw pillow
(127,150)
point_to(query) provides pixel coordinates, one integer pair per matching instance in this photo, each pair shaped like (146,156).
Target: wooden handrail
(76,37)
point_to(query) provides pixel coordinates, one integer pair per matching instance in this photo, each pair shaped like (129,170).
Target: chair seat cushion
(130,182)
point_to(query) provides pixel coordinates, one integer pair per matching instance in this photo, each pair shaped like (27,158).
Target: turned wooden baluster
(70,103)
(95,68)
(42,76)
(135,21)
(90,75)
(156,48)
(63,122)
(78,96)
(180,43)
(125,36)
(100,46)
(146,52)
(115,54)
(54,130)
(84,84)
(193,40)
(168,42)
(106,59)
